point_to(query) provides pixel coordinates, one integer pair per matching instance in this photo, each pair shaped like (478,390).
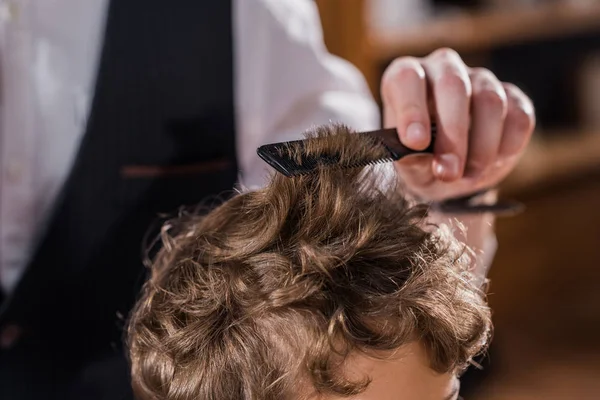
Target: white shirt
(285,83)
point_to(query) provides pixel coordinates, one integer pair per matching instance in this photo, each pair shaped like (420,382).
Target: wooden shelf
(548,161)
(482,31)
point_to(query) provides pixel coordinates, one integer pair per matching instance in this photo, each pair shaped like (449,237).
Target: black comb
(278,156)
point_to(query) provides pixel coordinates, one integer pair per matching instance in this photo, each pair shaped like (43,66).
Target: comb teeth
(275,154)
(310,164)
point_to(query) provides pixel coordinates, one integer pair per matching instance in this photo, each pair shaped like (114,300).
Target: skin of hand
(484,126)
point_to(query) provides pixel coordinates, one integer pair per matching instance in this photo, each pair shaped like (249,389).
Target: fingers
(404,92)
(449,78)
(483,124)
(519,123)
(488,112)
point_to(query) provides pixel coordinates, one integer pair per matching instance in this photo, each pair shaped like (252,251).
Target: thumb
(415,170)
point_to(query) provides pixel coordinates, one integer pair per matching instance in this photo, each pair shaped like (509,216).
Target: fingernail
(501,162)
(416,134)
(446,166)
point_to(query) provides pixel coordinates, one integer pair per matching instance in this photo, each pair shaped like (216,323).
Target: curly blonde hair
(265,296)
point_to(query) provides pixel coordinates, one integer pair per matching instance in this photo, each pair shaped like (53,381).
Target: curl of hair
(271,290)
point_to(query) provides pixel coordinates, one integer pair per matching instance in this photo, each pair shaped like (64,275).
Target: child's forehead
(403,374)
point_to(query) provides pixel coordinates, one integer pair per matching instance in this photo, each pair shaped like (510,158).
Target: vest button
(9,336)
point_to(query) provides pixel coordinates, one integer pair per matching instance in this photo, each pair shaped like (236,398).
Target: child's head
(324,286)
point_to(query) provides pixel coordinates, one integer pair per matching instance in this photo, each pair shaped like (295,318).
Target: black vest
(160,134)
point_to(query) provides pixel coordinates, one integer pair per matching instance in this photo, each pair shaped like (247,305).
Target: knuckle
(412,113)
(482,73)
(401,70)
(515,94)
(408,72)
(489,97)
(512,90)
(446,53)
(405,68)
(487,89)
(452,80)
(524,120)
(520,108)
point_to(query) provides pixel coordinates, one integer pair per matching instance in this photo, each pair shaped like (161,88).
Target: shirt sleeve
(286,82)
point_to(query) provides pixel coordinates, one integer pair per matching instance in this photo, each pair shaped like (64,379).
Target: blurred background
(545,288)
